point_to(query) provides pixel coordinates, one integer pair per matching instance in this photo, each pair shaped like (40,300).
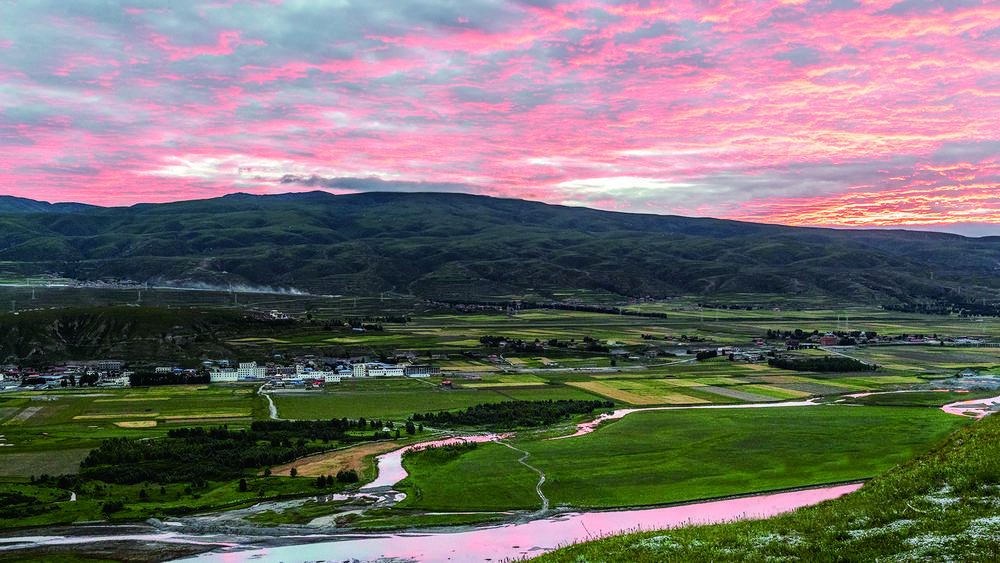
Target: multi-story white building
(250,370)
(377,370)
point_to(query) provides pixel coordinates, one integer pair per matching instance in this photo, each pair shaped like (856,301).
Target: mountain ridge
(447,245)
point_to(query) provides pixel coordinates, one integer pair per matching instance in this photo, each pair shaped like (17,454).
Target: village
(309,371)
(303,372)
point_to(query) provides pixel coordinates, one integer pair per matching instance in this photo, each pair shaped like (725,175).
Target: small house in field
(446,384)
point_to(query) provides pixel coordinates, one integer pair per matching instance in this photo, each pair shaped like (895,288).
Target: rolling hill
(457,246)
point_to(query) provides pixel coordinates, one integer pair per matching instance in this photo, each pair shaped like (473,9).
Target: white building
(120,381)
(373,369)
(222,375)
(331,376)
(250,370)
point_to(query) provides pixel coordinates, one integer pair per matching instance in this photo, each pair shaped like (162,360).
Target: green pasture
(51,432)
(919,398)
(552,392)
(399,399)
(491,479)
(659,457)
(939,506)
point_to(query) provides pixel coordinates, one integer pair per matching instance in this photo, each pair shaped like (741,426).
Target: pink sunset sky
(835,113)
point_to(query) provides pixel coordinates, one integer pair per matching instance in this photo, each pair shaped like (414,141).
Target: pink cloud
(228,40)
(737,99)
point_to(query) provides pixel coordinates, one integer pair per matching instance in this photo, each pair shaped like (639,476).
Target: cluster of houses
(114,373)
(301,372)
(106,373)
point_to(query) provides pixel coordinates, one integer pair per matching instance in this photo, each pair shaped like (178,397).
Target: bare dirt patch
(358,458)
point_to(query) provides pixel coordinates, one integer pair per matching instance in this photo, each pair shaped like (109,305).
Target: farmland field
(645,458)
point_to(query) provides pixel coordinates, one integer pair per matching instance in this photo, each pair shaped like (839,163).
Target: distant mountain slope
(11,204)
(464,246)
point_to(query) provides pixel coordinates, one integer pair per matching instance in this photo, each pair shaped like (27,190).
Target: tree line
(512,414)
(822,364)
(190,454)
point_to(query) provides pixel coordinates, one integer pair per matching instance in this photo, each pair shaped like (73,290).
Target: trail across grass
(939,506)
(670,456)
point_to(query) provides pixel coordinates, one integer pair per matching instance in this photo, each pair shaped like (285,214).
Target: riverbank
(518,536)
(939,506)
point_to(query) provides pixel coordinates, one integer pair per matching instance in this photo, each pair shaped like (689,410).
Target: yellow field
(637,395)
(136,424)
(790,393)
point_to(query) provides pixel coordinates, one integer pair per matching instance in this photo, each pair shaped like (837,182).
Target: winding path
(541,474)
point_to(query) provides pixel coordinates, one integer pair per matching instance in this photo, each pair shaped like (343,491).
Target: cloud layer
(834,112)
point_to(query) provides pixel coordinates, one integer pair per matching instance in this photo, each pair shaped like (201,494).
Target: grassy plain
(65,425)
(657,457)
(938,506)
(491,479)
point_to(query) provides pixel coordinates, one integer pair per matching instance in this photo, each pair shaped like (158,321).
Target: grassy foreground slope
(940,506)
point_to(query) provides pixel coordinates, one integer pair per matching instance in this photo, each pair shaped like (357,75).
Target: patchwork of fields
(645,458)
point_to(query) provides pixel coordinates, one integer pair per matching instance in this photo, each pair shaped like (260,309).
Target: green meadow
(658,457)
(51,432)
(937,506)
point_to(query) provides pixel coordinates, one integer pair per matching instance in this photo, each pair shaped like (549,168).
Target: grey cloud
(377,185)
(968,151)
(801,56)
(479,95)
(910,7)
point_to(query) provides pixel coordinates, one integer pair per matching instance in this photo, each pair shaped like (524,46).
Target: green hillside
(450,246)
